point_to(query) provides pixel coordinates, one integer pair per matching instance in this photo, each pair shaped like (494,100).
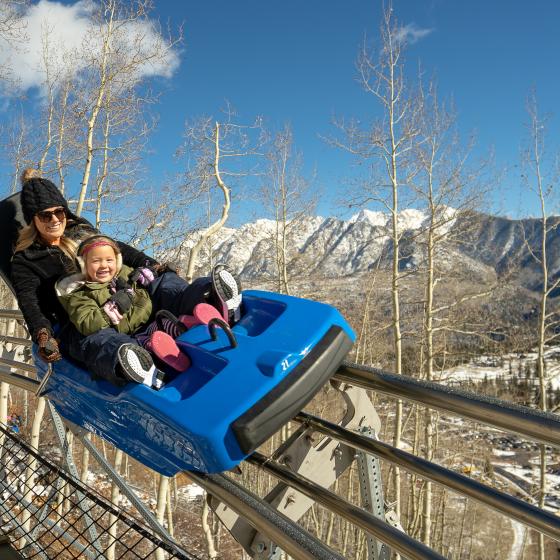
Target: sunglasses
(46,215)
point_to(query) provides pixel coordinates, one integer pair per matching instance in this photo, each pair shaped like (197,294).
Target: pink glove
(143,276)
(112,311)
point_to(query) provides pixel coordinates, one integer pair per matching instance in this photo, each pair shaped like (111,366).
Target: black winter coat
(36,270)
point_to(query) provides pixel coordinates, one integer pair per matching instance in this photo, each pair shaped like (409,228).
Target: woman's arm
(133,257)
(26,284)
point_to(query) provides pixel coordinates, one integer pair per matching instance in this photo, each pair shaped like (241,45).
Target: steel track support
(69,460)
(116,478)
(323,460)
(371,490)
(295,540)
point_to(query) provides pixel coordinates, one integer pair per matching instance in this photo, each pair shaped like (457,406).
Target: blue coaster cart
(227,403)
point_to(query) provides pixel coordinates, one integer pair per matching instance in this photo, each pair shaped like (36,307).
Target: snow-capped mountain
(479,245)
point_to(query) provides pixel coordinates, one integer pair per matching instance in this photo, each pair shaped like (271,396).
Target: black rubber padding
(289,397)
(11,220)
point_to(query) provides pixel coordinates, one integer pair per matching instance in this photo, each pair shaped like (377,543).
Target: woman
(46,250)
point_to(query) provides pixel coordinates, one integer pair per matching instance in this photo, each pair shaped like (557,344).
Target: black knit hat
(38,194)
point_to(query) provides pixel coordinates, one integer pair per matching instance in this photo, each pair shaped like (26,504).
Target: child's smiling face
(101,264)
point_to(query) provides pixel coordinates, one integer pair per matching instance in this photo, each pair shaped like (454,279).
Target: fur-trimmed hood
(68,284)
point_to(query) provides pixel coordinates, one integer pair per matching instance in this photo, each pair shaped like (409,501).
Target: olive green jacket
(83,301)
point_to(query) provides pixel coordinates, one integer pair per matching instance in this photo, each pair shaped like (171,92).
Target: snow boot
(138,366)
(226,293)
(164,347)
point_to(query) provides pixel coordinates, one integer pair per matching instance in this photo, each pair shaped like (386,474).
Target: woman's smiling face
(51,223)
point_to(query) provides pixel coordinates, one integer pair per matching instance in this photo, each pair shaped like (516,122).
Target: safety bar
(508,505)
(397,540)
(534,424)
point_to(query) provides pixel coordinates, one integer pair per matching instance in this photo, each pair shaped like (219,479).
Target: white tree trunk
(115,495)
(162,491)
(92,121)
(212,553)
(30,472)
(216,226)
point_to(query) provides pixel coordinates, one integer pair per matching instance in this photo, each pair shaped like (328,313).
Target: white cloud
(411,33)
(67,28)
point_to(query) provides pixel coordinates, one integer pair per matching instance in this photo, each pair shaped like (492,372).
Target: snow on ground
(191,492)
(491,367)
(500,453)
(515,458)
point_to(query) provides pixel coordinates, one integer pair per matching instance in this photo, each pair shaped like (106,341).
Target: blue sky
(293,61)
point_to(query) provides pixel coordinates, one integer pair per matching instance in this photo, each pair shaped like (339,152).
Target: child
(101,297)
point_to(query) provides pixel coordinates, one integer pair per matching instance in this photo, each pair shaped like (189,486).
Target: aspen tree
(386,147)
(448,189)
(13,32)
(115,497)
(289,196)
(216,154)
(542,182)
(115,56)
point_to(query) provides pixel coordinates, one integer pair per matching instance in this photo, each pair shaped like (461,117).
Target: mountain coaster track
(257,523)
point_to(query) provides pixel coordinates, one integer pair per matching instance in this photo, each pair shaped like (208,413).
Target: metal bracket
(41,388)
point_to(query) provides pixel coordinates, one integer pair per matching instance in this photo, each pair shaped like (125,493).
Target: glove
(112,311)
(123,300)
(122,294)
(48,346)
(143,276)
(118,284)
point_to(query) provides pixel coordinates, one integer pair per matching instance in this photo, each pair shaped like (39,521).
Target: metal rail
(16,340)
(25,383)
(11,314)
(510,506)
(397,540)
(531,423)
(14,364)
(540,426)
(289,536)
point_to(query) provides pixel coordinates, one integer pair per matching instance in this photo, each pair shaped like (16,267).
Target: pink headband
(99,243)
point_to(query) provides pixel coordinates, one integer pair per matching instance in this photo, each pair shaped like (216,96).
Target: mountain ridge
(479,244)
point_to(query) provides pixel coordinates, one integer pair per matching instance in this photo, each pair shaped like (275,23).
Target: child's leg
(98,351)
(226,293)
(164,347)
(158,338)
(174,294)
(138,366)
(171,292)
(166,322)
